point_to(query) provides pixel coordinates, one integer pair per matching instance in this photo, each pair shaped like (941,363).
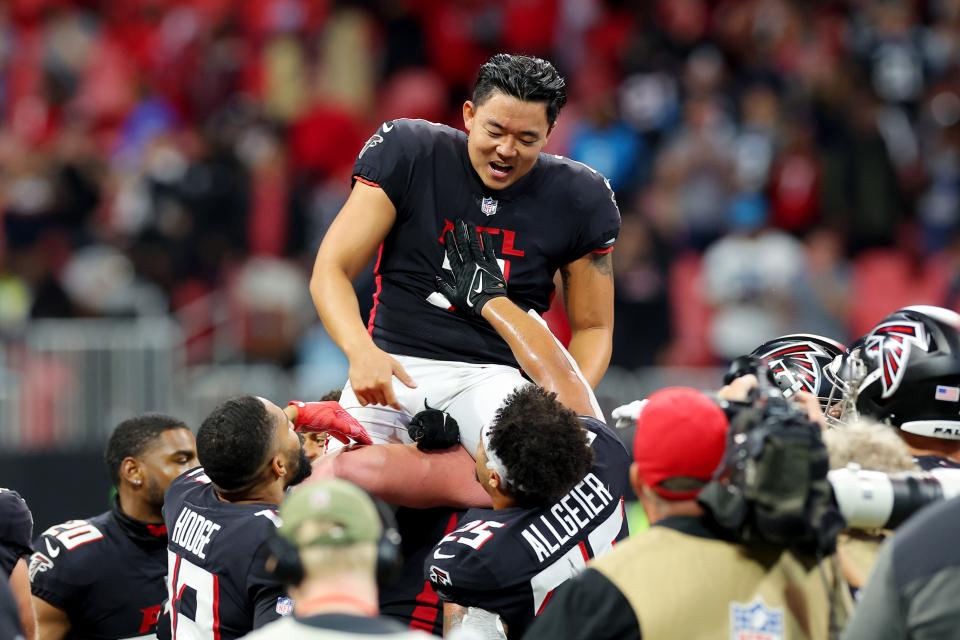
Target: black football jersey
(217,582)
(106,573)
(412,600)
(16,530)
(510,561)
(559,212)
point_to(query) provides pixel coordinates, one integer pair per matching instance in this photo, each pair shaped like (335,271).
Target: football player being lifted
(543,214)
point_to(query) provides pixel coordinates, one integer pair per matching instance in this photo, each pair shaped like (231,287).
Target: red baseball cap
(681,433)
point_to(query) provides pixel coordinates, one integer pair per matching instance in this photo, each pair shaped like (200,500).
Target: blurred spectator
(822,293)
(698,162)
(795,179)
(860,184)
(642,307)
(747,278)
(273,308)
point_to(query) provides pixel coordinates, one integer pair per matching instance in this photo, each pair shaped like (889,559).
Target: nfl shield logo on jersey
(755,621)
(284,606)
(488,206)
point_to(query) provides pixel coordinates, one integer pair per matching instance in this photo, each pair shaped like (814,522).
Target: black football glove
(477,278)
(433,429)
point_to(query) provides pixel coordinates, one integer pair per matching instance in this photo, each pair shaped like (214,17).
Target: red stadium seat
(884,280)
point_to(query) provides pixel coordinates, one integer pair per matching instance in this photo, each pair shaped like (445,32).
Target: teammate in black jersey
(556,481)
(220,517)
(103,577)
(553,511)
(16,532)
(544,213)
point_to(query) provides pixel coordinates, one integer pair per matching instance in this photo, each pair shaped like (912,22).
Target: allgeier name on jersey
(589,496)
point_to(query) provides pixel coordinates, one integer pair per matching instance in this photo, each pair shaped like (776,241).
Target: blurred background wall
(168,168)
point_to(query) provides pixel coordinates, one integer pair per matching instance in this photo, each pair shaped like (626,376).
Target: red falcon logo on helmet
(889,346)
(798,363)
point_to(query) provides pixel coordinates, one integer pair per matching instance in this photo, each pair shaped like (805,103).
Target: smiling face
(505,137)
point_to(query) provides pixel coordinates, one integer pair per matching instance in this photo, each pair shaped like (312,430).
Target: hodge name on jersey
(217,583)
(510,561)
(557,213)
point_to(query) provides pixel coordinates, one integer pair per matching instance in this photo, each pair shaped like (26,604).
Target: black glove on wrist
(433,429)
(477,278)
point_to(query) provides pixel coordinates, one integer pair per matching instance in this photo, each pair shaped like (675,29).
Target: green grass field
(636,518)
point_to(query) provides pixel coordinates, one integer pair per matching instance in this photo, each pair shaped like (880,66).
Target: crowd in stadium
(153,149)
(769,184)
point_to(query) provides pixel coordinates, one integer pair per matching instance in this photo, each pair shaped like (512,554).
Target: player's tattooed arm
(602,262)
(588,297)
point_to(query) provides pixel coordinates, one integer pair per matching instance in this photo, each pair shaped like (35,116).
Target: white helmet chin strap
(943,429)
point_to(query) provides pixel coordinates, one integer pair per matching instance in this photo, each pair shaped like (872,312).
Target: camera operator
(644,587)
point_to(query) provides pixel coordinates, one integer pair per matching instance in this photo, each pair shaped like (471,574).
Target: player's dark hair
(134,436)
(542,445)
(525,78)
(333,394)
(234,441)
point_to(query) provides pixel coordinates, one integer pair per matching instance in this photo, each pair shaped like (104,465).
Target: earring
(137,483)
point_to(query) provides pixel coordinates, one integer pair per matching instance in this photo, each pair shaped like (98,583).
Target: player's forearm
(538,353)
(409,482)
(592,348)
(52,622)
(338,308)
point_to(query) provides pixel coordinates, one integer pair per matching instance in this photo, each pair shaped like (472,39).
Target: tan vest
(684,586)
(858,552)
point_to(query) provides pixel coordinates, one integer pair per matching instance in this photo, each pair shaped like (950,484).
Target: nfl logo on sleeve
(755,621)
(284,606)
(488,206)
